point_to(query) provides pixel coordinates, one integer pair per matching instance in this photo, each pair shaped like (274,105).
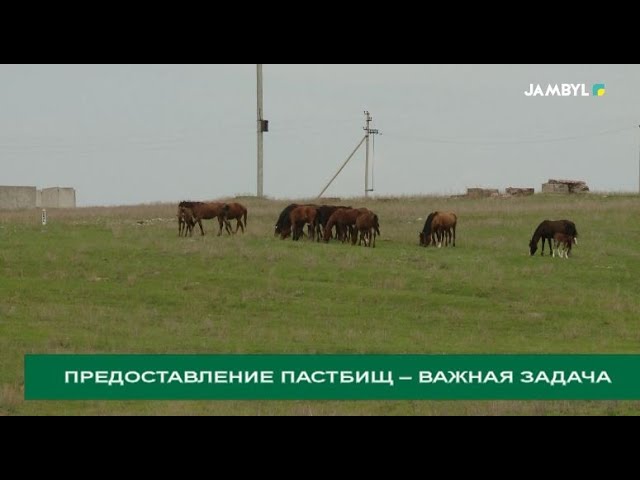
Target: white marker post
(44,217)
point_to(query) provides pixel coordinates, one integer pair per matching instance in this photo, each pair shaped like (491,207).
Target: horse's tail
(376,225)
(245,217)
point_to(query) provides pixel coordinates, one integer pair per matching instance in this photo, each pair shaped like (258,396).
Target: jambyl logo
(564,90)
(598,90)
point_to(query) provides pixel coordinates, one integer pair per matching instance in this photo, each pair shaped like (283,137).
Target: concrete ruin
(17,198)
(482,192)
(519,192)
(57,197)
(564,186)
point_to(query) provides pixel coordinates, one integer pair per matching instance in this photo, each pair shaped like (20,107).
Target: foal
(563,243)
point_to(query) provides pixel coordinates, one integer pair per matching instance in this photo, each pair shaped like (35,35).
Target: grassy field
(119,280)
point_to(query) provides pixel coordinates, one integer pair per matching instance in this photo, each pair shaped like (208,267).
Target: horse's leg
(374,238)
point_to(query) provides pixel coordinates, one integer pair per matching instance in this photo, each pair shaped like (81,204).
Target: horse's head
(533,247)
(421,238)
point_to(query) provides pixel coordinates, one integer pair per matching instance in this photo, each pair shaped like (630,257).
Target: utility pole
(263,126)
(368,131)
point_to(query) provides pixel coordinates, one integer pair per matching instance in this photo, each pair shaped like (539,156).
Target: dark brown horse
(207,211)
(237,212)
(283,224)
(547,229)
(185,218)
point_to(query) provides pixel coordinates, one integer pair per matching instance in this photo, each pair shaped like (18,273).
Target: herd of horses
(325,222)
(357,225)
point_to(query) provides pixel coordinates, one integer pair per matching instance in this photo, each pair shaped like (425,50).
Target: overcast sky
(126,134)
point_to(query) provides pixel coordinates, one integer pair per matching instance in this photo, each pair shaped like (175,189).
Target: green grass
(97,281)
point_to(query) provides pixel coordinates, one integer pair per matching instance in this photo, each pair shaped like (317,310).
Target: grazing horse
(368,226)
(237,211)
(547,229)
(438,227)
(324,213)
(206,211)
(563,243)
(299,217)
(283,224)
(344,219)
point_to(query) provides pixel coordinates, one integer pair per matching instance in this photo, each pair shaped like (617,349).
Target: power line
(506,141)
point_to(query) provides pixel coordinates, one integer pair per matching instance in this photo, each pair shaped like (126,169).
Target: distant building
(57,197)
(16,197)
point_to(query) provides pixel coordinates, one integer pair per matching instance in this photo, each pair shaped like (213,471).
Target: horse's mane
(427,224)
(540,230)
(283,219)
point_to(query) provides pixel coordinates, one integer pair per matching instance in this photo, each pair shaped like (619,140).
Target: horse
(185,221)
(563,243)
(344,219)
(547,229)
(438,227)
(324,213)
(185,218)
(368,226)
(236,212)
(283,224)
(301,215)
(206,211)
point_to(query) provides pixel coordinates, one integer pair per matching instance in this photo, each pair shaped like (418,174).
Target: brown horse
(299,217)
(324,213)
(368,226)
(283,224)
(344,220)
(236,212)
(207,211)
(439,227)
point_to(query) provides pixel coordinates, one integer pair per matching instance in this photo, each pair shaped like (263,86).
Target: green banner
(332,377)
